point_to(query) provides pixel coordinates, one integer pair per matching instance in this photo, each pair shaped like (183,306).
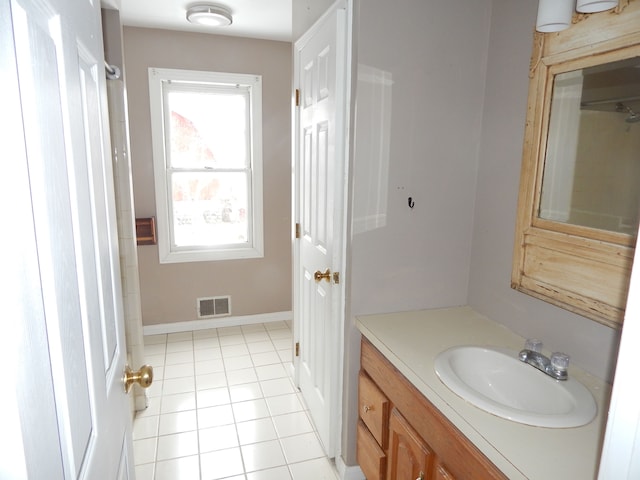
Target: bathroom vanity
(411,426)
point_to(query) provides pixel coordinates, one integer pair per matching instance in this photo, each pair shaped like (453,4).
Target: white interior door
(67,334)
(319,198)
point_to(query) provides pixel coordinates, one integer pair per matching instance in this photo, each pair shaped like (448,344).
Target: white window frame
(169,253)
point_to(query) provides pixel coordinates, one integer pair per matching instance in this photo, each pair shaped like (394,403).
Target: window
(207,158)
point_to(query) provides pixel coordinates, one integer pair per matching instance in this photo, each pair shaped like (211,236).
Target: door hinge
(297,349)
(297,230)
(297,97)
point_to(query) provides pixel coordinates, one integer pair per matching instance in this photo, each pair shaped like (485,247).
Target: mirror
(579,205)
(592,165)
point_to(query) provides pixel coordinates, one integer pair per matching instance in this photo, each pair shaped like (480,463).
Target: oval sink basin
(496,381)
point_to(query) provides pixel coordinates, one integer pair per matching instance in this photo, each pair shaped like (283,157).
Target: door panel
(320,188)
(59,66)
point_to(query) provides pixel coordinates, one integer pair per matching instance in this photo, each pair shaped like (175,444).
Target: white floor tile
(178,422)
(145,472)
(270,372)
(258,456)
(244,392)
(236,339)
(177,445)
(153,408)
(179,336)
(145,427)
(206,333)
(280,333)
(292,424)
(155,349)
(209,366)
(174,358)
(155,360)
(238,363)
(276,326)
(221,464)
(215,416)
(203,343)
(261,347)
(184,346)
(254,327)
(179,370)
(155,390)
(257,336)
(211,380)
(251,410)
(281,343)
(318,469)
(144,451)
(266,358)
(158,372)
(234,350)
(286,355)
(224,331)
(184,468)
(224,407)
(212,397)
(284,404)
(207,354)
(178,385)
(178,402)
(278,473)
(218,438)
(237,377)
(300,448)
(255,431)
(279,386)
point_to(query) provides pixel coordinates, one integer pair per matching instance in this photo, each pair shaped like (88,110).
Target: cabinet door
(409,456)
(441,473)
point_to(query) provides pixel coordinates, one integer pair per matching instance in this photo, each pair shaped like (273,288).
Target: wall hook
(411,202)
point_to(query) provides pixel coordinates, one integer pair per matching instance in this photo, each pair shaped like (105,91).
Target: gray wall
(591,345)
(456,127)
(256,286)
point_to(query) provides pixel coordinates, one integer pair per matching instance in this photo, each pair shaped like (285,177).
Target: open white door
(65,340)
(321,77)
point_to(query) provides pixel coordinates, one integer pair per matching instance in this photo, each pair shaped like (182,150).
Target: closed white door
(68,339)
(319,198)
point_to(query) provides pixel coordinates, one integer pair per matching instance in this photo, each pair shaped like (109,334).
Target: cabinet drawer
(370,456)
(374,409)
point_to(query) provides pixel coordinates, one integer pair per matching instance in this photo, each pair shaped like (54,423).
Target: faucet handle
(533,344)
(560,361)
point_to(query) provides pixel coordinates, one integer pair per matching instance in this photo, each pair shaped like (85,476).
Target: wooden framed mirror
(580,182)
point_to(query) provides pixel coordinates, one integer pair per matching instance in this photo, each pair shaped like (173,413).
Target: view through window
(207,165)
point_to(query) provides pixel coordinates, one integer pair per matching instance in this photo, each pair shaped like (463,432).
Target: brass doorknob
(319,276)
(143,377)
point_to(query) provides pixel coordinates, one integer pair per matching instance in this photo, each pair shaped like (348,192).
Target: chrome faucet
(555,367)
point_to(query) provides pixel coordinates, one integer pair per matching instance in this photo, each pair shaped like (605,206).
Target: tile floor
(222,406)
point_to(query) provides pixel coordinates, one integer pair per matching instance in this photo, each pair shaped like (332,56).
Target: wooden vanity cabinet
(402,436)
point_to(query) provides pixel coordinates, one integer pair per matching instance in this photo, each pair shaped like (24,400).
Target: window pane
(208,129)
(209,208)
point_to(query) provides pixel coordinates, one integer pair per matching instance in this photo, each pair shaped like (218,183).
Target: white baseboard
(219,322)
(346,472)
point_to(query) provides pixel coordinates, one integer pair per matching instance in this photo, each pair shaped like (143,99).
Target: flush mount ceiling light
(210,15)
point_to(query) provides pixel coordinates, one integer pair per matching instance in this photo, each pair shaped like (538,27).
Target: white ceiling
(265,19)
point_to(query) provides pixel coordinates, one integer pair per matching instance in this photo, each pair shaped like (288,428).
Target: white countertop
(412,340)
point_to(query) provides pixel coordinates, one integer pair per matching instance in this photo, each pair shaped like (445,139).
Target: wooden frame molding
(581,269)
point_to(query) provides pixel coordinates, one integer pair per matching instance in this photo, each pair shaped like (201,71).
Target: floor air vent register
(209,307)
